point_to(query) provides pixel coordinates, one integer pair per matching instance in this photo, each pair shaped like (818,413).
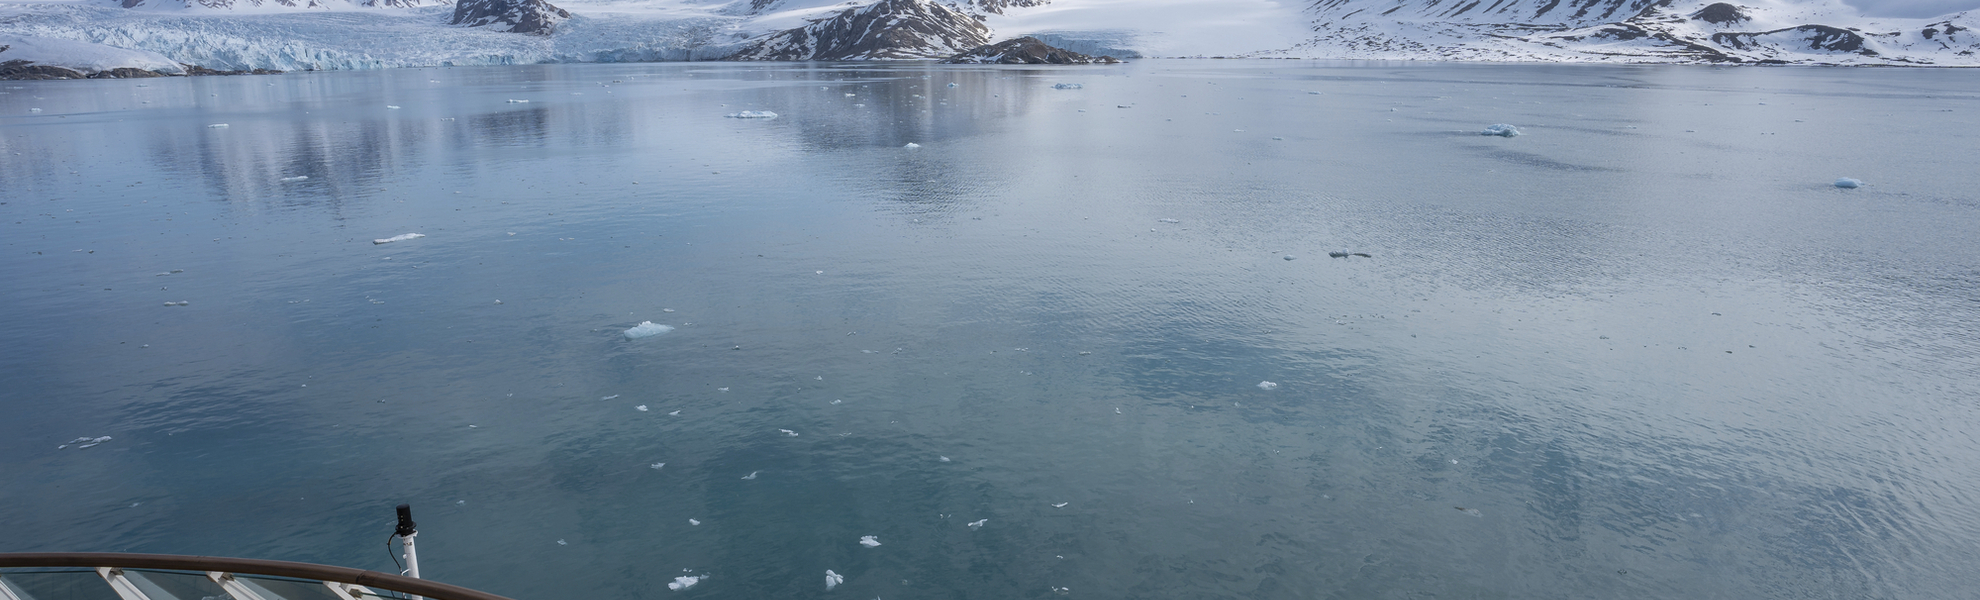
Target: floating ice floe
(833,580)
(868,541)
(694,521)
(952,85)
(674,414)
(789,432)
(640,408)
(179,303)
(1170,220)
(1061,590)
(515,101)
(682,583)
(911,146)
(1067,86)
(1061,505)
(943,458)
(296,178)
(1288,257)
(1266,385)
(656,466)
(753,114)
(85,442)
(721,389)
(217,126)
(1501,130)
(1849,183)
(609,397)
(398,238)
(978,524)
(1470,511)
(751,475)
(393,107)
(1122,106)
(562,543)
(647,329)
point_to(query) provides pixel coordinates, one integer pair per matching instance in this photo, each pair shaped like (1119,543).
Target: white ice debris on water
(674,414)
(609,397)
(751,475)
(296,178)
(217,126)
(398,238)
(647,329)
(911,146)
(789,432)
(694,521)
(753,114)
(562,543)
(943,458)
(85,442)
(1470,511)
(682,583)
(1266,385)
(656,466)
(952,85)
(640,408)
(1170,220)
(978,524)
(515,101)
(833,580)
(1061,505)
(1849,183)
(868,541)
(1067,86)
(1501,130)
(1288,257)
(392,107)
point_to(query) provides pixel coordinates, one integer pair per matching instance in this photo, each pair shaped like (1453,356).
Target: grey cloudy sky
(1912,8)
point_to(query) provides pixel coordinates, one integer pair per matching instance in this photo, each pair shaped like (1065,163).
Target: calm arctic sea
(1645,350)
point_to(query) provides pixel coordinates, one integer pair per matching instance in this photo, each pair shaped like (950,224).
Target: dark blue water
(1645,350)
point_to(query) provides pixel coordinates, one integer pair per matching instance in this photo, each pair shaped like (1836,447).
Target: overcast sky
(1912,8)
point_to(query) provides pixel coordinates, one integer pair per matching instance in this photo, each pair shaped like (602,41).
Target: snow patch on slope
(83,57)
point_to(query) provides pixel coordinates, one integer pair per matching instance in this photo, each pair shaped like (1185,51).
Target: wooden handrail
(246,566)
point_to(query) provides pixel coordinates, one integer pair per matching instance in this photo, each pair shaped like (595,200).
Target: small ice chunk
(391,107)
(640,408)
(1170,220)
(911,146)
(868,541)
(217,126)
(943,458)
(751,475)
(296,178)
(682,583)
(609,397)
(1266,385)
(978,524)
(1122,106)
(674,414)
(1067,86)
(1501,130)
(34,110)
(952,85)
(85,442)
(562,543)
(656,466)
(515,101)
(647,329)
(1313,93)
(833,580)
(694,522)
(398,238)
(1061,505)
(1470,511)
(753,114)
(721,389)
(1287,257)
(789,432)
(1849,183)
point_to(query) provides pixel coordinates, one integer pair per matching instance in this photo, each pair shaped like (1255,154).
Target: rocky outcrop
(519,16)
(888,29)
(1024,51)
(1721,14)
(1806,37)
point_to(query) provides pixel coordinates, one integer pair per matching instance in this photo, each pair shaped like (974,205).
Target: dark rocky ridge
(519,16)
(888,29)
(16,70)
(1026,50)
(1721,14)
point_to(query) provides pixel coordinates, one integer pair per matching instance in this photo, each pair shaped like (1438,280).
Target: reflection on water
(1645,350)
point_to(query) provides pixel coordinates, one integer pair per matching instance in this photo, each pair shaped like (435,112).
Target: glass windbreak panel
(272,588)
(176,585)
(63,585)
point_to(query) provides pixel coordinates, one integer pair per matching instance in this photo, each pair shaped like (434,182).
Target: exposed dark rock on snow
(519,16)
(1815,37)
(1721,14)
(1024,51)
(888,29)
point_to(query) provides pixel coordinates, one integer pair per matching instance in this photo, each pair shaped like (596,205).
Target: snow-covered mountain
(887,29)
(350,34)
(1743,31)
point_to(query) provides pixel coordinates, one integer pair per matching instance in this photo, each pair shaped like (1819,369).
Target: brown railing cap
(246,566)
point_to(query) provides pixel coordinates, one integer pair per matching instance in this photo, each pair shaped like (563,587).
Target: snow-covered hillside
(361,34)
